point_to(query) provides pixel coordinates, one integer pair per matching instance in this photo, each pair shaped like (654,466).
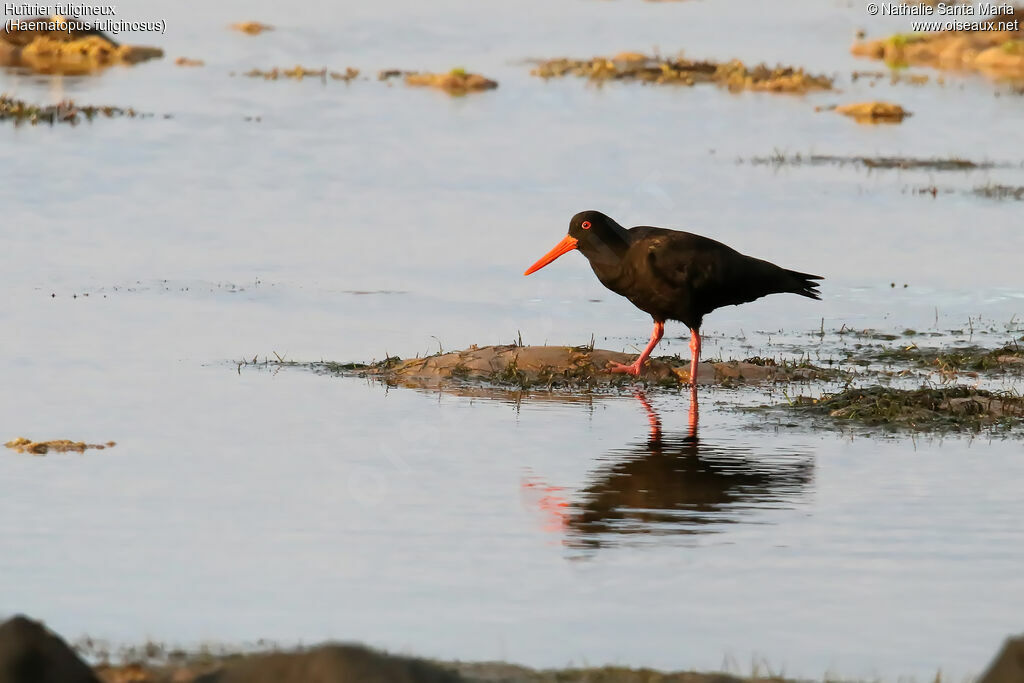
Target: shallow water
(247,504)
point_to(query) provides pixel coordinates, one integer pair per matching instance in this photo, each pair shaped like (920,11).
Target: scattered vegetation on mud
(20,111)
(1008,358)
(895,77)
(948,408)
(455,82)
(875,163)
(634,66)
(23,445)
(1000,53)
(299,72)
(990,191)
(994,191)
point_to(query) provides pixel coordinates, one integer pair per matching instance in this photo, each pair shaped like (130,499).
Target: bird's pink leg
(694,355)
(634,367)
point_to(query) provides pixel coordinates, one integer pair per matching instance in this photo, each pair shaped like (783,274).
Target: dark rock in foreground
(29,653)
(1008,666)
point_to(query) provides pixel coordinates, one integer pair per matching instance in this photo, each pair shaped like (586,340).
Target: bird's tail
(804,284)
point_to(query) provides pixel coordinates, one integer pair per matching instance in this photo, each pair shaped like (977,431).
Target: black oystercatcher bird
(673,275)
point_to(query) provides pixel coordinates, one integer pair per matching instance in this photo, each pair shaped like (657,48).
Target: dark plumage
(673,275)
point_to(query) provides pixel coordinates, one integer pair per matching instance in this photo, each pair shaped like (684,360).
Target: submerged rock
(874,112)
(58,44)
(455,82)
(253,28)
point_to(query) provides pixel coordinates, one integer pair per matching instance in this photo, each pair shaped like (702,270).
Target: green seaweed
(901,39)
(1013,47)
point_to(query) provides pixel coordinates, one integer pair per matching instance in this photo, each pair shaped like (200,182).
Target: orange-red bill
(566,245)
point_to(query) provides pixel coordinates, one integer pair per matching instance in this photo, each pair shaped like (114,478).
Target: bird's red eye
(585,225)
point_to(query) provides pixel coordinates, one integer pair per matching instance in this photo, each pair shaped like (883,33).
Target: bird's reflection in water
(672,485)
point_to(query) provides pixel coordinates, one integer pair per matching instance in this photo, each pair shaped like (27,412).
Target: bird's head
(591,232)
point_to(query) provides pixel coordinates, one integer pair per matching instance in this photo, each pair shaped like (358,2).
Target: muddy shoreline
(874,380)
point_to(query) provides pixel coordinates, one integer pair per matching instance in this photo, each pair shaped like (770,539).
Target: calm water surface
(299,507)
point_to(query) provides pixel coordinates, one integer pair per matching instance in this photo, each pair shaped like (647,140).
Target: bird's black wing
(713,274)
(689,262)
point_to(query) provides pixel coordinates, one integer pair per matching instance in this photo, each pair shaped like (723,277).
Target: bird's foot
(631,369)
